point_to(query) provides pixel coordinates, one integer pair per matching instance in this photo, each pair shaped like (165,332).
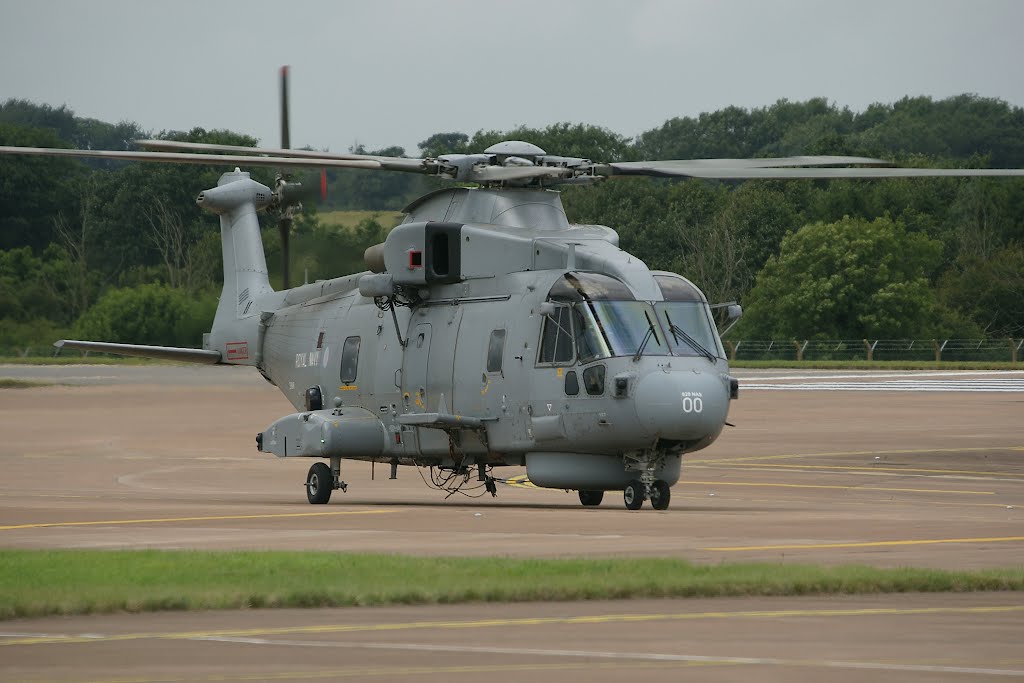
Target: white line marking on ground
(999,386)
(909,374)
(642,656)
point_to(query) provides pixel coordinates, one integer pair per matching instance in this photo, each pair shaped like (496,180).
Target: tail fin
(236,199)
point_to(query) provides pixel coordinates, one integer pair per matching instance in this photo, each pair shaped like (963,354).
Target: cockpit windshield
(594,317)
(690,332)
(617,328)
(687,318)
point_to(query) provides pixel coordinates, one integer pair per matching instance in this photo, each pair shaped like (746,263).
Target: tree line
(119,251)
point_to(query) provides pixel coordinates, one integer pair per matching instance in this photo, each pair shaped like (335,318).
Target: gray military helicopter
(487,330)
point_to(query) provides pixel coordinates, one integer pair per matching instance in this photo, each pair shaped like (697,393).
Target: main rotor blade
(389,163)
(174,145)
(776,162)
(199,159)
(710,169)
(813,173)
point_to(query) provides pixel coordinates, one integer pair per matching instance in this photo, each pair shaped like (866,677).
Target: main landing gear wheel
(319,483)
(660,495)
(591,498)
(633,494)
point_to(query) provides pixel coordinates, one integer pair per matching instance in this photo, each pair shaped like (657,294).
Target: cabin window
(349,360)
(556,337)
(593,380)
(495,350)
(572,383)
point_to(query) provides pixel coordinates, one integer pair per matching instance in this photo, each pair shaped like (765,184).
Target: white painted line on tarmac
(909,374)
(998,386)
(635,656)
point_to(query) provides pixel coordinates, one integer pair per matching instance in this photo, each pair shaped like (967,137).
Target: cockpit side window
(556,345)
(574,331)
(593,380)
(590,343)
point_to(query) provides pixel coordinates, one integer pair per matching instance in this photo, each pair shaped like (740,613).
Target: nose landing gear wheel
(633,494)
(319,483)
(660,495)
(591,498)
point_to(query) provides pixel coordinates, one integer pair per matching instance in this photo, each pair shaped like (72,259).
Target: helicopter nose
(683,405)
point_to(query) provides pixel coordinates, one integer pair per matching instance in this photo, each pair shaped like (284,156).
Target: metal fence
(26,351)
(1005,349)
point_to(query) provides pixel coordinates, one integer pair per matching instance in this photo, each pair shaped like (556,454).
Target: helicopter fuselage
(485,343)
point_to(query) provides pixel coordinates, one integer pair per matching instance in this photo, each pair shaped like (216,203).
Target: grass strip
(11,383)
(878,364)
(64,582)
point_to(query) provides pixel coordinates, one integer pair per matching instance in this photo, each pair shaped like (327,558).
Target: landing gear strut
(646,487)
(322,479)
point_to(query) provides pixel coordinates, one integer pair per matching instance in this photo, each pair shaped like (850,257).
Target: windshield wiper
(647,338)
(678,332)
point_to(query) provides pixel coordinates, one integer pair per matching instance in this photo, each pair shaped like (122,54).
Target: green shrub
(148,314)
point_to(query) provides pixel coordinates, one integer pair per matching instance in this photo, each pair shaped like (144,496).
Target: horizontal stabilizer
(161,352)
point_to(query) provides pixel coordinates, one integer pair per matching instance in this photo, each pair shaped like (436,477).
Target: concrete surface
(921,469)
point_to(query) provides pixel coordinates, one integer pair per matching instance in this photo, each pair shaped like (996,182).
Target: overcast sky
(384,72)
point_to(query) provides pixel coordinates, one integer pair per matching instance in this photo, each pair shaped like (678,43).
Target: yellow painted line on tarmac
(511,622)
(839,454)
(19,494)
(869,544)
(396,672)
(859,503)
(869,468)
(841,488)
(520,481)
(212,518)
